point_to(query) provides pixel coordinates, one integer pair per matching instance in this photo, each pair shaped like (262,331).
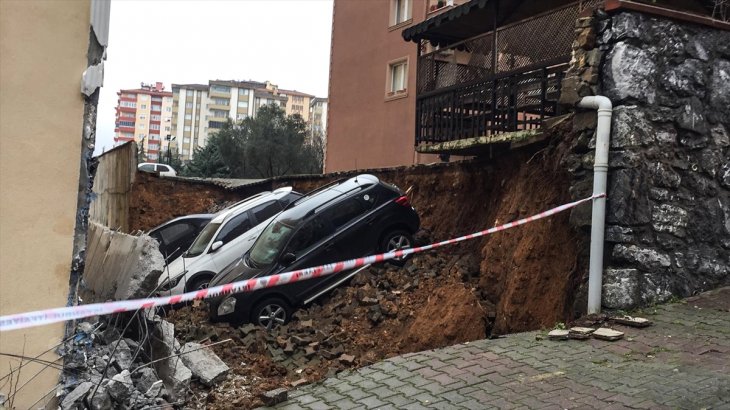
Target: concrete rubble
(104,369)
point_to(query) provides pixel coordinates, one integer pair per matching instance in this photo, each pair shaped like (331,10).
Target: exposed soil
(384,312)
(520,279)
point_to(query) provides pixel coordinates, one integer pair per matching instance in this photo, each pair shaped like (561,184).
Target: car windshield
(201,242)
(270,243)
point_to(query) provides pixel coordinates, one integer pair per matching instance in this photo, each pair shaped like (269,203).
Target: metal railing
(500,81)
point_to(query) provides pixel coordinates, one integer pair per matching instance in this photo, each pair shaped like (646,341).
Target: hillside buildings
(199,110)
(144,115)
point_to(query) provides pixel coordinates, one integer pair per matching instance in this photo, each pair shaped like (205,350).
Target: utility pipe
(600,173)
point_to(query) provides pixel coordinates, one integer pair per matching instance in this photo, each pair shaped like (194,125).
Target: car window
(266,210)
(203,239)
(175,232)
(344,212)
(309,234)
(162,168)
(235,227)
(270,243)
(147,167)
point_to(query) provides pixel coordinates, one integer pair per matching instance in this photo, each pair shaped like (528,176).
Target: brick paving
(682,361)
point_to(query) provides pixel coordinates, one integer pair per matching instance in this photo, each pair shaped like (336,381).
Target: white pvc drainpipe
(600,173)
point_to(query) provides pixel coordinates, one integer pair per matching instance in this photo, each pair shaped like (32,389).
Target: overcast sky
(184,41)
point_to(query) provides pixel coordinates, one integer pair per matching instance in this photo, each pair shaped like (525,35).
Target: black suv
(347,219)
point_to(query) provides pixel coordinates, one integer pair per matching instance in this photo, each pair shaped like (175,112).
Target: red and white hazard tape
(48,316)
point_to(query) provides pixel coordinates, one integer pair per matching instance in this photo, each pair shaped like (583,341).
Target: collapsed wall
(668,209)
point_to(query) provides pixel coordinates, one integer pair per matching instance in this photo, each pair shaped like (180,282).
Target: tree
(207,161)
(172,158)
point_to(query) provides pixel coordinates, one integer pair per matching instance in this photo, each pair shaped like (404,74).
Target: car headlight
(227,307)
(171,283)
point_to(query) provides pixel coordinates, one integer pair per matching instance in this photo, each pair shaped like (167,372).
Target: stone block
(669,218)
(630,73)
(628,201)
(720,87)
(203,363)
(630,128)
(620,288)
(645,258)
(691,116)
(274,397)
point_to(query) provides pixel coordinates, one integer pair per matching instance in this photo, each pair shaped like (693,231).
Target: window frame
(390,93)
(395,10)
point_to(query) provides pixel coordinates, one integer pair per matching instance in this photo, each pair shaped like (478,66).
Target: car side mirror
(216,245)
(288,259)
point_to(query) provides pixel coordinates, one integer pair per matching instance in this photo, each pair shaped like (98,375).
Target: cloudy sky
(185,41)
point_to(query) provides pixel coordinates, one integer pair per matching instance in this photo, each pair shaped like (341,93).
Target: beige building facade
(44,66)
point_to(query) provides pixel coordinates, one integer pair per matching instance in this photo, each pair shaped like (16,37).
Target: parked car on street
(348,219)
(162,169)
(176,235)
(225,238)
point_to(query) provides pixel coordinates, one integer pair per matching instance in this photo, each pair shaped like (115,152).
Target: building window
(128,135)
(167,129)
(188,116)
(154,137)
(129,95)
(168,109)
(400,11)
(397,77)
(156,108)
(187,128)
(140,136)
(220,88)
(155,117)
(155,126)
(220,101)
(128,104)
(141,126)
(144,96)
(240,117)
(143,106)
(126,123)
(142,117)
(186,140)
(188,105)
(185,151)
(243,91)
(243,104)
(154,147)
(127,115)
(189,93)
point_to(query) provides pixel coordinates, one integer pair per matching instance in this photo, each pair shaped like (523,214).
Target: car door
(176,239)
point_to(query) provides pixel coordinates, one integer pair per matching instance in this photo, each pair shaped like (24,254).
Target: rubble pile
(373,318)
(105,369)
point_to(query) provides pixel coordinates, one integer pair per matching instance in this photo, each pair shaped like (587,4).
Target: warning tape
(48,316)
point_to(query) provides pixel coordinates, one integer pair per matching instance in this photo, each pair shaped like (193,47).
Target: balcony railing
(501,81)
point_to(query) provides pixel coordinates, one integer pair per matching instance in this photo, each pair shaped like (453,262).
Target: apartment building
(145,116)
(318,116)
(372,94)
(199,110)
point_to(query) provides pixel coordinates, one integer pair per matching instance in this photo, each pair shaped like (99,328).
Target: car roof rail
(346,194)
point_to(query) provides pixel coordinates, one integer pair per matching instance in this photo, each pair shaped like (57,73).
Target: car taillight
(403,201)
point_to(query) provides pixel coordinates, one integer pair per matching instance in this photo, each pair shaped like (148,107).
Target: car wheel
(394,241)
(198,284)
(271,313)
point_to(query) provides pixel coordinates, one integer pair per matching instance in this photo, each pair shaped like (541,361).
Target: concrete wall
(44,46)
(120,266)
(668,211)
(115,174)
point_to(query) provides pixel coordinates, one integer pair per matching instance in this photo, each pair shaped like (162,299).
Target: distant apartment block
(318,116)
(199,110)
(144,115)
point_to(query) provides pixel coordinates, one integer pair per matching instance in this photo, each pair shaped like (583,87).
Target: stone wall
(668,213)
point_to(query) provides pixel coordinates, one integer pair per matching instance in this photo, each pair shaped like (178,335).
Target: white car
(228,236)
(162,169)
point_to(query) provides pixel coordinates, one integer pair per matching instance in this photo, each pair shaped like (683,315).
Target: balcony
(502,81)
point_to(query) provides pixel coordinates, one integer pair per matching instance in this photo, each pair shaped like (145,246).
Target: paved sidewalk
(682,361)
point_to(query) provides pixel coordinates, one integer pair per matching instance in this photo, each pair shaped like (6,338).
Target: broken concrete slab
(347,359)
(120,387)
(122,358)
(580,333)
(146,377)
(605,333)
(76,395)
(204,364)
(558,334)
(173,372)
(100,400)
(274,397)
(632,321)
(300,382)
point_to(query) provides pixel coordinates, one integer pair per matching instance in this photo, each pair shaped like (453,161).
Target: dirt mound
(451,315)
